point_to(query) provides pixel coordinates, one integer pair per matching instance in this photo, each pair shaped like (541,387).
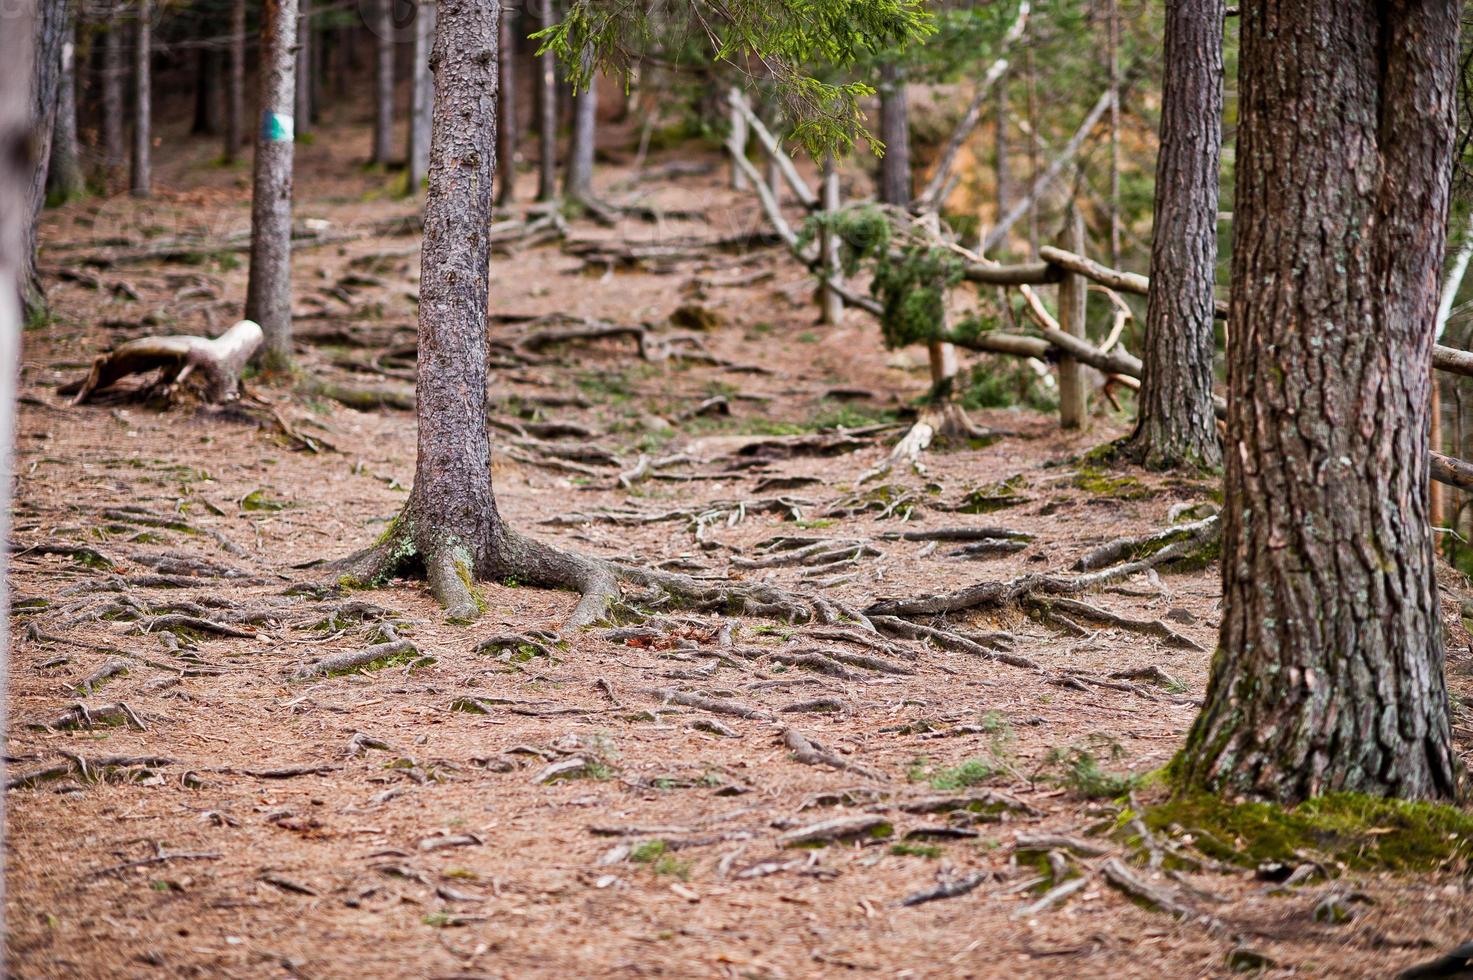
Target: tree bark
(508,134)
(303,84)
(114,140)
(1073,316)
(383,81)
(895,134)
(269,290)
(417,159)
(1003,150)
(235,88)
(204,122)
(1175,425)
(579,184)
(1329,672)
(52,30)
(141,183)
(65,179)
(547,113)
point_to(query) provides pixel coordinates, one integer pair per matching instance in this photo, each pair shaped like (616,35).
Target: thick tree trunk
(383,81)
(65,179)
(303,111)
(450,528)
(141,183)
(52,31)
(235,85)
(1329,672)
(1175,425)
(895,134)
(417,159)
(508,134)
(114,71)
(269,290)
(579,185)
(547,113)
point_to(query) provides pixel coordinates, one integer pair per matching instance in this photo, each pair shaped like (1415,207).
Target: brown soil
(335,872)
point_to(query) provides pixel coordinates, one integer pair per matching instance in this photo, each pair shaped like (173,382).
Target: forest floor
(544,809)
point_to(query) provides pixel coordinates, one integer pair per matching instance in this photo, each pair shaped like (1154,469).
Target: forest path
(491,802)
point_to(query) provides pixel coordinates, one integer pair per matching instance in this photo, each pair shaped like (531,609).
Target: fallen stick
(948,889)
(342,663)
(811,753)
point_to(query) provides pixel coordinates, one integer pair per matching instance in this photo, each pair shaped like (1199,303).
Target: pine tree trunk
(454,516)
(303,84)
(1175,425)
(508,135)
(204,93)
(895,134)
(269,290)
(114,138)
(579,184)
(1329,673)
(547,113)
(141,183)
(383,81)
(1003,149)
(235,87)
(417,159)
(65,179)
(52,30)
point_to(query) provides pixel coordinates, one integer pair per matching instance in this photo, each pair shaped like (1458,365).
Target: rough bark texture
(52,30)
(1175,425)
(114,140)
(1329,674)
(417,159)
(65,179)
(895,134)
(303,112)
(141,183)
(580,149)
(269,291)
(547,113)
(235,86)
(383,81)
(508,133)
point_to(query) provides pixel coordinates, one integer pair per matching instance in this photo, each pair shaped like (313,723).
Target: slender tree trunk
(417,160)
(235,88)
(895,134)
(142,181)
(1175,424)
(1329,670)
(547,113)
(1113,64)
(65,179)
(305,43)
(508,134)
(51,31)
(114,138)
(579,184)
(383,81)
(1033,162)
(269,290)
(204,93)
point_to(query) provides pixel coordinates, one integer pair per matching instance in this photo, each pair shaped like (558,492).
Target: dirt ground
(423,818)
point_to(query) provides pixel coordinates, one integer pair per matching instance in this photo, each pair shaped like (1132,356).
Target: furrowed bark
(114,141)
(1329,674)
(895,134)
(51,29)
(1175,425)
(269,290)
(65,179)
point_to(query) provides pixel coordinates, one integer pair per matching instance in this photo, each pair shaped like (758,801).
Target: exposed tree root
(218,363)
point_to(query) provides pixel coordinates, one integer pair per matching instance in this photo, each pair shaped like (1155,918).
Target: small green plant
(669,864)
(647,852)
(1077,768)
(905,849)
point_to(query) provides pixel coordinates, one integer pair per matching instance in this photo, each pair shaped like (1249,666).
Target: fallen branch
(219,362)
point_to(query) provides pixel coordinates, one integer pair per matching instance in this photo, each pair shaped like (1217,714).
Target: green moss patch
(1100,483)
(1358,831)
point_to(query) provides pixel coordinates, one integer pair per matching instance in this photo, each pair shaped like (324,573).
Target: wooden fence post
(738,141)
(833,304)
(1073,299)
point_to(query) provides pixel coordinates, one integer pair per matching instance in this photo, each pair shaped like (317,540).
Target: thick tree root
(218,362)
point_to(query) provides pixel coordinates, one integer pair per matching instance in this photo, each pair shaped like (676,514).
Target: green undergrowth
(1099,482)
(1077,768)
(992,497)
(1358,831)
